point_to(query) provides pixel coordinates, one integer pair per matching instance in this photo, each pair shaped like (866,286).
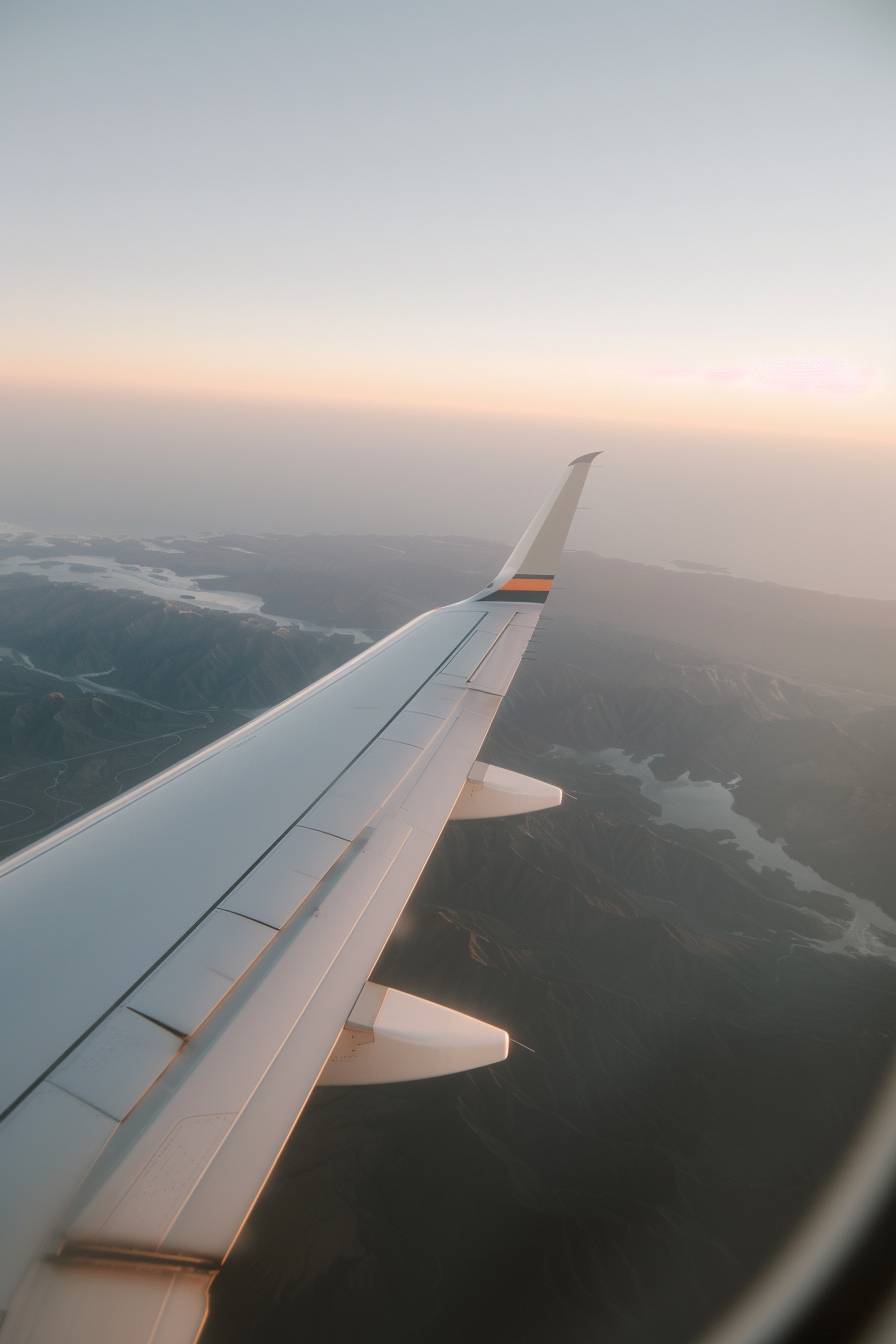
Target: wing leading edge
(182,964)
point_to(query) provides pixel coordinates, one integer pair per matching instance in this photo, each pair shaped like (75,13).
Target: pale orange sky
(512,209)
(815,401)
(254,274)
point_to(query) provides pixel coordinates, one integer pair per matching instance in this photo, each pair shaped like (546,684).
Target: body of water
(703,804)
(102,571)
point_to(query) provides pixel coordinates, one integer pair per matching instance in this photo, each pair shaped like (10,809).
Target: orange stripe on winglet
(526,586)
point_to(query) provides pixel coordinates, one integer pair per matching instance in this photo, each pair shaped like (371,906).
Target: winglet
(530,568)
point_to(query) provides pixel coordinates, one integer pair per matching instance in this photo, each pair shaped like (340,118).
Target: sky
(493,228)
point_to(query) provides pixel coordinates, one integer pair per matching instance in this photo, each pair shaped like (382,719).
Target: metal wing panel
(194,979)
(118,891)
(48,1143)
(219,1206)
(498,668)
(350,803)
(226,839)
(115,1065)
(83,1301)
(157,1157)
(278,886)
(293,1013)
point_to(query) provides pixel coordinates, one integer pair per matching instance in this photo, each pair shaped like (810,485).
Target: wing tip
(529,570)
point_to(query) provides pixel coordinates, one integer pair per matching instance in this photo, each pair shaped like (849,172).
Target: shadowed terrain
(695,1038)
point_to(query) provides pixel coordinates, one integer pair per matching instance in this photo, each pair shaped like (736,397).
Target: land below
(700,1014)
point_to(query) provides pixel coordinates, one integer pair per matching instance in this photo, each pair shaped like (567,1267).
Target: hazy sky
(152,466)
(671,215)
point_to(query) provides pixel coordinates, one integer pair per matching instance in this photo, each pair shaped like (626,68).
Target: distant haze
(230,232)
(813,516)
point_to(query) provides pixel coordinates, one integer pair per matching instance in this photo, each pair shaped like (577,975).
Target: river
(703,804)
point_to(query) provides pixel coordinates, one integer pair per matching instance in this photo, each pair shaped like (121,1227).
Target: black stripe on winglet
(503,595)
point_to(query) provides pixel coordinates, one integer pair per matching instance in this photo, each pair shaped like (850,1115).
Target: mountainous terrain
(100,690)
(700,1014)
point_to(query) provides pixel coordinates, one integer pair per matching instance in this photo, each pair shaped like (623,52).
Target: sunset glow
(705,401)
(494,216)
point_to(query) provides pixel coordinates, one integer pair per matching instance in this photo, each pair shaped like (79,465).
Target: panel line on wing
(318,830)
(253,919)
(156,1021)
(85,1102)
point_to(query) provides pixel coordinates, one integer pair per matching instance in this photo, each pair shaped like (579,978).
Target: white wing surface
(179,968)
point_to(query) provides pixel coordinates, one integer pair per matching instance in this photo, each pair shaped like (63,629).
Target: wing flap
(278,886)
(435,791)
(348,806)
(498,669)
(116,1064)
(92,1302)
(471,654)
(160,1153)
(320,961)
(437,699)
(119,890)
(190,984)
(48,1144)
(414,728)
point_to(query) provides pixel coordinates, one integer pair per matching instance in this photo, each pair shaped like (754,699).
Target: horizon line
(627,417)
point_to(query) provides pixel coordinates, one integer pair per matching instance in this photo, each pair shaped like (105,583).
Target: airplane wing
(181,967)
